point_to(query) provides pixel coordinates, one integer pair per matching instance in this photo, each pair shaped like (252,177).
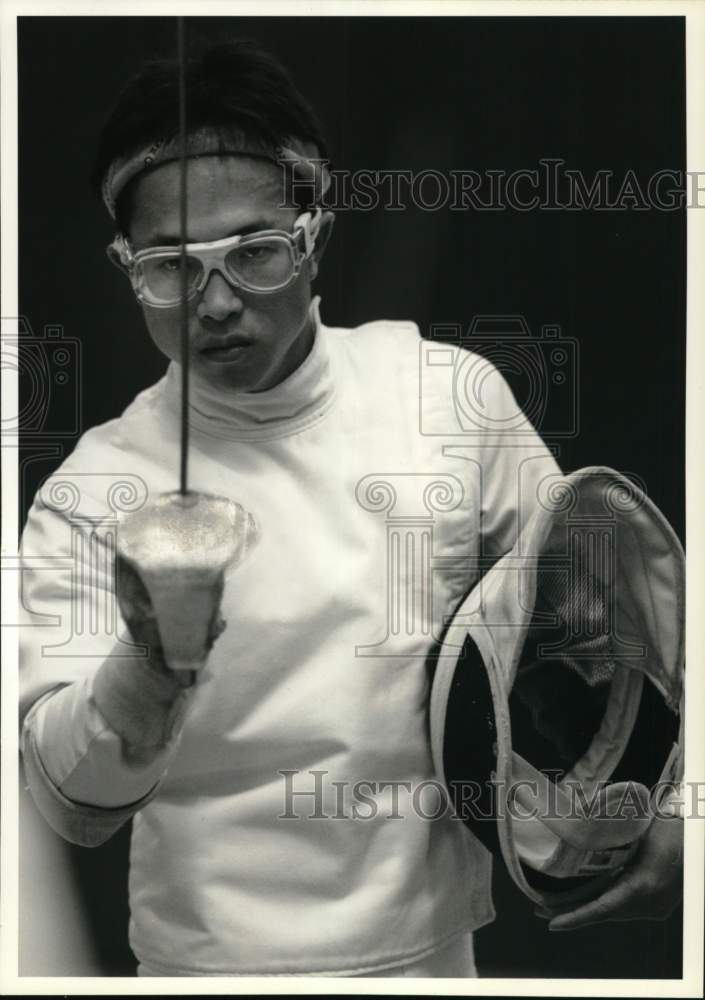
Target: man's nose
(219,299)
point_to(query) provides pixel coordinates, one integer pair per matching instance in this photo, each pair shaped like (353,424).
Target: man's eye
(257,252)
(169,265)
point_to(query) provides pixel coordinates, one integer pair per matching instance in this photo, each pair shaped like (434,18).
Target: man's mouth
(226,349)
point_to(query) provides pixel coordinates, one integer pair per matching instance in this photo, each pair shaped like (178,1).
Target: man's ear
(324,231)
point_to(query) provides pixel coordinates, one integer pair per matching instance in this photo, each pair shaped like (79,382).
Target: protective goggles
(263,262)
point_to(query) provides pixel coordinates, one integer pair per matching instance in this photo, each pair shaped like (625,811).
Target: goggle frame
(212,256)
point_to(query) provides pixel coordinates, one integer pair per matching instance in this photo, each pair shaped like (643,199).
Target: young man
(279,821)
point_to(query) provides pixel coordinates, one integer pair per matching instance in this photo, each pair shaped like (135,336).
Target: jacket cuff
(85,825)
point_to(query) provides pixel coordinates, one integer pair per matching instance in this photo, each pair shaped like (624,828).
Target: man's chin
(230,377)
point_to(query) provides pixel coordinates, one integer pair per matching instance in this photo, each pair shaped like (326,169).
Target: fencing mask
(558,688)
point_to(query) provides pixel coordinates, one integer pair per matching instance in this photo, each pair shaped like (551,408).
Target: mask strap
(309,225)
(119,252)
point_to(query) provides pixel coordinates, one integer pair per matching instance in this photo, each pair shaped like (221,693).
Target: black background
(402,93)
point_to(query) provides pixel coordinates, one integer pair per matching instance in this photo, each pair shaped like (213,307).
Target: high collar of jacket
(301,399)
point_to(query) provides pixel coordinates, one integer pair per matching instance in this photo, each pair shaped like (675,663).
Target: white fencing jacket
(288,826)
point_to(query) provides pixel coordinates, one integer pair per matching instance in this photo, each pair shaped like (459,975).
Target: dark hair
(231,85)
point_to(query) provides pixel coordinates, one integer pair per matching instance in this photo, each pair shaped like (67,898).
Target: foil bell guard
(178,548)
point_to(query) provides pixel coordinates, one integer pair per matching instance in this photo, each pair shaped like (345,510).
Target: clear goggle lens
(262,264)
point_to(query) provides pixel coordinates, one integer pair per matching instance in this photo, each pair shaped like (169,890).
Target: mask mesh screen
(562,684)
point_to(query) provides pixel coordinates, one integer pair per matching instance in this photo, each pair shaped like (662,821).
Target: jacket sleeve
(75,767)
(519,471)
